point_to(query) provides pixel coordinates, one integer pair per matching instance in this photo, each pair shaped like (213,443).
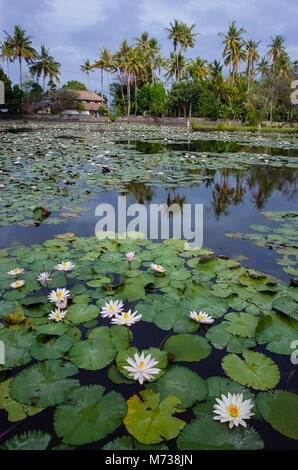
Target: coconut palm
(263,67)
(108,65)
(19,47)
(46,66)
(198,68)
(283,66)
(176,31)
(187,38)
(153,51)
(87,67)
(135,69)
(277,48)
(5,54)
(174,65)
(233,48)
(252,56)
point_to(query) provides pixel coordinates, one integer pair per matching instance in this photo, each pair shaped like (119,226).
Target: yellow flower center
(15,271)
(64,264)
(141,364)
(18,283)
(57,315)
(59,295)
(200,317)
(233,410)
(126,316)
(158,266)
(111,307)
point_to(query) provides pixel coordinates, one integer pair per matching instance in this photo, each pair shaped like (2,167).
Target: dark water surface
(232,200)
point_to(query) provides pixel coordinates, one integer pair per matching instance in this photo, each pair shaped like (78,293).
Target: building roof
(88,96)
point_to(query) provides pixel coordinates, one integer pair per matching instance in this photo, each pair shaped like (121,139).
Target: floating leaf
(279,408)
(44,384)
(92,354)
(256,370)
(90,416)
(151,421)
(188,348)
(31,440)
(206,434)
(187,386)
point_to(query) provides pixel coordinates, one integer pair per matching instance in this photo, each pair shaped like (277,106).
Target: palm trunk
(20,62)
(44,82)
(88,75)
(101,73)
(108,92)
(136,102)
(128,94)
(7,60)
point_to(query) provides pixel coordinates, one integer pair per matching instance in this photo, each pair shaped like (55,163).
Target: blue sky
(75,29)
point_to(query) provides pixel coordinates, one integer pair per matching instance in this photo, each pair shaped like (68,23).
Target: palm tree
(174,65)
(197,68)
(263,67)
(252,56)
(233,51)
(187,37)
(45,66)
(108,65)
(176,31)
(5,54)
(283,65)
(19,47)
(135,68)
(277,47)
(154,49)
(87,67)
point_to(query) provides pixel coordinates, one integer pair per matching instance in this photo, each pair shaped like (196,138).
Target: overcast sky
(75,29)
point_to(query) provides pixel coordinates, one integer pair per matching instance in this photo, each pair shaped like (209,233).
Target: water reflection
(227,187)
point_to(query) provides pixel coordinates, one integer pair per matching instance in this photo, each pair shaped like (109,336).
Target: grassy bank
(227,127)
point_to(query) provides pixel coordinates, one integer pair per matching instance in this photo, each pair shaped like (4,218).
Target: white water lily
(62,304)
(44,277)
(65,266)
(58,295)
(126,318)
(17,284)
(114,307)
(57,315)
(201,317)
(233,409)
(15,272)
(158,268)
(142,367)
(130,256)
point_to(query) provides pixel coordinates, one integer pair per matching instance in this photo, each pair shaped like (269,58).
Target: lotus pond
(64,382)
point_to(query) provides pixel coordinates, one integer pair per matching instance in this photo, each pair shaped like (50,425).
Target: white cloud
(71,15)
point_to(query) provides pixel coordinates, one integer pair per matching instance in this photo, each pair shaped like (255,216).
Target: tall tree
(5,54)
(108,65)
(46,66)
(176,31)
(19,46)
(252,56)
(233,48)
(86,68)
(276,48)
(197,68)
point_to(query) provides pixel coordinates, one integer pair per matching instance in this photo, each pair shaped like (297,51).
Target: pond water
(54,176)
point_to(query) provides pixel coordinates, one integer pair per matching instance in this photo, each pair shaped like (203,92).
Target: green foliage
(75,85)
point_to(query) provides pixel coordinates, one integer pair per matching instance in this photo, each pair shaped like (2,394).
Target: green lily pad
(188,348)
(255,370)
(150,420)
(90,415)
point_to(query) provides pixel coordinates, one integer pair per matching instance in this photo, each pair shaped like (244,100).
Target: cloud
(70,15)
